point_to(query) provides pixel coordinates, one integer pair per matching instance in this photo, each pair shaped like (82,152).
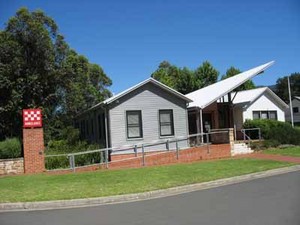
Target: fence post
(259,134)
(231,139)
(235,138)
(177,149)
(106,158)
(101,157)
(143,155)
(135,151)
(167,145)
(72,162)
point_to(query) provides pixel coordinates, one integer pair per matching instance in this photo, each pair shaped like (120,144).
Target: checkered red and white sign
(32,118)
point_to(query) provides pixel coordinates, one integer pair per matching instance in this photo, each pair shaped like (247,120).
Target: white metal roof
(252,95)
(207,95)
(297,97)
(247,95)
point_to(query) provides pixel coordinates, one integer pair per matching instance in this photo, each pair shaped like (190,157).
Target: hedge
(10,148)
(275,131)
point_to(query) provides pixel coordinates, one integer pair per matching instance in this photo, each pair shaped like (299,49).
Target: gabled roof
(247,95)
(149,80)
(252,95)
(297,97)
(207,95)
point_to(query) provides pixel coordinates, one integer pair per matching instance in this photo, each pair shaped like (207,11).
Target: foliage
(38,69)
(205,75)
(70,145)
(232,71)
(275,131)
(282,86)
(44,187)
(10,148)
(183,79)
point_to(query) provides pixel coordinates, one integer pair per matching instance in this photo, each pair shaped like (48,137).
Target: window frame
(140,124)
(272,111)
(259,112)
(171,122)
(295,109)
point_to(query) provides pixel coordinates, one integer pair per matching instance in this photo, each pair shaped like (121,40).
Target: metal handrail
(246,136)
(248,129)
(134,147)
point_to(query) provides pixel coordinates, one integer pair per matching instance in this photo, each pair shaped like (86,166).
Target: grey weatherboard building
(143,113)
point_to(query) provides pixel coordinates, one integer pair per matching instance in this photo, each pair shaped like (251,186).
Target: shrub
(10,148)
(62,147)
(275,132)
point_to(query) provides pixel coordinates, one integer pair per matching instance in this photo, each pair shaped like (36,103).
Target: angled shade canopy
(207,95)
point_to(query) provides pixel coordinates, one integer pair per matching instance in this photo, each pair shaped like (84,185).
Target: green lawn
(115,182)
(292,151)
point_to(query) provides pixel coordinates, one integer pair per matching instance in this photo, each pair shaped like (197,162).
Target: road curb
(87,202)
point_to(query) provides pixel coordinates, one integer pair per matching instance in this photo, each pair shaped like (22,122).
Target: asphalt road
(273,200)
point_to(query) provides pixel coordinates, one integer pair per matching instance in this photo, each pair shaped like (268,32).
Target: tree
(232,71)
(205,75)
(183,79)
(186,82)
(167,74)
(282,87)
(38,69)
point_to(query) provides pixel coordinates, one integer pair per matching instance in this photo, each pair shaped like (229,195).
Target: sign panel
(32,118)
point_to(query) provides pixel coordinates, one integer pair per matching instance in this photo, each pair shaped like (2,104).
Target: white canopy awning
(207,95)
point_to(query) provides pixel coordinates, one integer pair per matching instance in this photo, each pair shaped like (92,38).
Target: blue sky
(130,38)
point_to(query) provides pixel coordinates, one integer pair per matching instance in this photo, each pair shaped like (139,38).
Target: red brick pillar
(33,142)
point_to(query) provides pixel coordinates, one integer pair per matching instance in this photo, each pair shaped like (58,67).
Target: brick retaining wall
(11,166)
(160,158)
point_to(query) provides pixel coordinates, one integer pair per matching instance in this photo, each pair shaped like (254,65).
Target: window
(166,123)
(134,124)
(256,114)
(272,115)
(295,109)
(264,114)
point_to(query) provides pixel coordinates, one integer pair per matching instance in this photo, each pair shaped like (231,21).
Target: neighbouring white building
(259,103)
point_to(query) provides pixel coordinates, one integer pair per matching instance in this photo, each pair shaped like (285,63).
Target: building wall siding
(295,103)
(238,117)
(94,133)
(149,99)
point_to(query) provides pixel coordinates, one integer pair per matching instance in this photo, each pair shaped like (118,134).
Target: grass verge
(291,151)
(116,182)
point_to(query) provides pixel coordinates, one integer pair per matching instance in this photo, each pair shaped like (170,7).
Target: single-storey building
(150,112)
(296,111)
(144,113)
